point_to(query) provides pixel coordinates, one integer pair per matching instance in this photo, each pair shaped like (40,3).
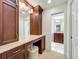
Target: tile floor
(58,47)
(51,55)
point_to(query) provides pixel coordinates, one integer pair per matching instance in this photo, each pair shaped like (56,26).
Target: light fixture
(30,11)
(49,1)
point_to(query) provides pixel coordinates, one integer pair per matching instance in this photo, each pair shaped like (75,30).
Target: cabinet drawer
(15,51)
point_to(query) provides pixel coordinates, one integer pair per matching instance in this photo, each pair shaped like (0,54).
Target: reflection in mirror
(58,22)
(24,20)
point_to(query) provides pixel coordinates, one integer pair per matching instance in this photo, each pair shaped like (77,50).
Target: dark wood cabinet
(59,37)
(36,21)
(16,53)
(41,44)
(0,56)
(21,52)
(8,21)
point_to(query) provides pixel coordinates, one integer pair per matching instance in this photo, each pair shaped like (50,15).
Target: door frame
(70,37)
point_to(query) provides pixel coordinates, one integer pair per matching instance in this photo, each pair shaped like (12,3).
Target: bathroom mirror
(58,27)
(24,20)
(58,21)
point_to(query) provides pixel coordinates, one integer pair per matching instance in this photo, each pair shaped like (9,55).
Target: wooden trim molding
(27,3)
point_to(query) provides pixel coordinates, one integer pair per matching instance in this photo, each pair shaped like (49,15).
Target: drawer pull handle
(16,51)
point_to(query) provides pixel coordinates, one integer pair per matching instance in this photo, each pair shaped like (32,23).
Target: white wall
(72,29)
(20,26)
(46,23)
(24,25)
(56,20)
(78,30)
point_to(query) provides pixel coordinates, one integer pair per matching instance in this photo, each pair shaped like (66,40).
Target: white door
(74,29)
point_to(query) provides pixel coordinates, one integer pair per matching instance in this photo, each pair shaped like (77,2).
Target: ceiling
(44,4)
(23,9)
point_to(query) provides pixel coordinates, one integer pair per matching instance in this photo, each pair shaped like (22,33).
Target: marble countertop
(21,41)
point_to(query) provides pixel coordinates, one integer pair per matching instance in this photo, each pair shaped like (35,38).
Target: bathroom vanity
(11,46)
(19,49)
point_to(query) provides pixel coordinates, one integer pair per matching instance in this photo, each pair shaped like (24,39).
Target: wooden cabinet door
(36,21)
(19,55)
(32,17)
(9,21)
(59,37)
(0,56)
(35,24)
(16,53)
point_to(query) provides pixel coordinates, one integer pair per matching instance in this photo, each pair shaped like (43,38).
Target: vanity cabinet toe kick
(21,52)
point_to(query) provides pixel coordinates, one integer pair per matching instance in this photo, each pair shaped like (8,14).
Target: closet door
(9,21)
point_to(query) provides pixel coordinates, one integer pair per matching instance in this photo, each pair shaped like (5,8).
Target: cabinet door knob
(16,51)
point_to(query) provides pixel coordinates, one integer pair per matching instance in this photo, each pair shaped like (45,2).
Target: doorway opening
(57,43)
